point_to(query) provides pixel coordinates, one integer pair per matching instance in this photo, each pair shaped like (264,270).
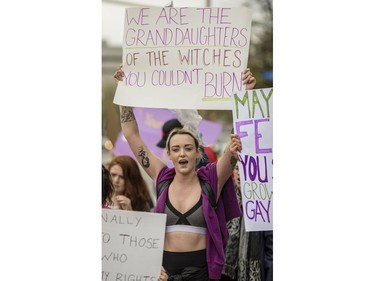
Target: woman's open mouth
(183,162)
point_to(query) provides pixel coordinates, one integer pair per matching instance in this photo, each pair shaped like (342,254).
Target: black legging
(186,266)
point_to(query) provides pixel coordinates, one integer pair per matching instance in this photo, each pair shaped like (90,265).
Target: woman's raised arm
(228,161)
(148,160)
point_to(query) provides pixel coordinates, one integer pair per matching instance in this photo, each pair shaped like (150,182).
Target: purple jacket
(227,208)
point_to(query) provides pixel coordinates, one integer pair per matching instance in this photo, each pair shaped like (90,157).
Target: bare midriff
(184,242)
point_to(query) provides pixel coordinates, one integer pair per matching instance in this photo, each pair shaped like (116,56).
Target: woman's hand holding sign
(248,79)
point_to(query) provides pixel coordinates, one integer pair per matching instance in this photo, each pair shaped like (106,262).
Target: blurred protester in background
(168,126)
(249,255)
(123,202)
(267,255)
(211,154)
(107,188)
(130,191)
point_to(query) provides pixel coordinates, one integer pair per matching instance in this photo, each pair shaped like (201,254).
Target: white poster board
(132,245)
(183,57)
(252,122)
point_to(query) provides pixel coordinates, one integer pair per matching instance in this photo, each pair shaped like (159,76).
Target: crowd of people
(205,237)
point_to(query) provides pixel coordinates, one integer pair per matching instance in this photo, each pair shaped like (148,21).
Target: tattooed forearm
(233,162)
(143,157)
(127,114)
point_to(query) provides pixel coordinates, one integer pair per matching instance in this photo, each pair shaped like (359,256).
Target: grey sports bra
(191,221)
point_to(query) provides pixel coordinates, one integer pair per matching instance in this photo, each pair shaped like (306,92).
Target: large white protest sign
(252,121)
(183,57)
(132,245)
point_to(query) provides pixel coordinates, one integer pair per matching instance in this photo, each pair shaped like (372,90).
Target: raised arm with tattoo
(148,160)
